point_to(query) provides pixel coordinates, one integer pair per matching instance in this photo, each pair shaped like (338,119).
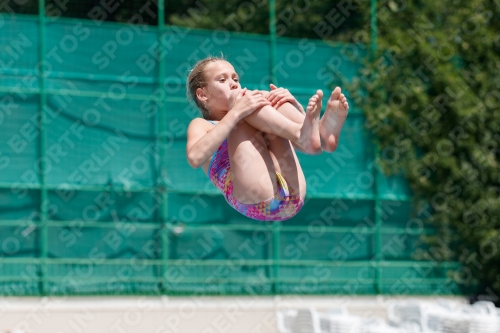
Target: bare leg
(289,111)
(252,167)
(286,163)
(332,121)
(304,134)
(298,117)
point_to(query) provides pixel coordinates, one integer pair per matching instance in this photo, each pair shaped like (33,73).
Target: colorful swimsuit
(285,204)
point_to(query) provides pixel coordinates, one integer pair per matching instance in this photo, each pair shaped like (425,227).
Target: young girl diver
(246,139)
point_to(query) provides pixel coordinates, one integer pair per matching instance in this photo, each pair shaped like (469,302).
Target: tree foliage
(293,18)
(432,99)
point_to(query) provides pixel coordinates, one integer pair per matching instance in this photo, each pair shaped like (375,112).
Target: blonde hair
(196,79)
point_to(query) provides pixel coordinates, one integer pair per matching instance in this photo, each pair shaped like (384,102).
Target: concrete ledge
(243,314)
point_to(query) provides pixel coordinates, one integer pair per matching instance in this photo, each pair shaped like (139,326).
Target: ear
(200,94)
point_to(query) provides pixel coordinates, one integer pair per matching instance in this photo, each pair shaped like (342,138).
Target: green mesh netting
(105,218)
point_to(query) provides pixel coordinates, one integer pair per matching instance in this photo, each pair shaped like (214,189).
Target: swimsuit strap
(215,154)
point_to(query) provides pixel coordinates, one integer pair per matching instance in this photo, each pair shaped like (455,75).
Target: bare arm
(204,139)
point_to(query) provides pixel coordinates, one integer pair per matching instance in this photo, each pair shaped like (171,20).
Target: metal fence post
(378,203)
(273,57)
(163,151)
(276,256)
(378,227)
(43,189)
(272,39)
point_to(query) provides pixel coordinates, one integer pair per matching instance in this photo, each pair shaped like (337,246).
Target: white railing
(410,316)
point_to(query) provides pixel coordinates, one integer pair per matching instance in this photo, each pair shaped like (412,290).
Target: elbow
(193,161)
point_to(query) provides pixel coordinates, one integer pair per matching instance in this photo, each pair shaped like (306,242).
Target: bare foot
(309,139)
(332,121)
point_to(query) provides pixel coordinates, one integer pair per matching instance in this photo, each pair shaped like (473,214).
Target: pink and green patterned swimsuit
(285,204)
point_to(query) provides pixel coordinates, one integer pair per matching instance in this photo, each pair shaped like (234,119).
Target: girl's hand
(279,96)
(246,102)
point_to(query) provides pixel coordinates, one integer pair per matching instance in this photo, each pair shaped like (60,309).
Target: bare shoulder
(200,123)
(198,127)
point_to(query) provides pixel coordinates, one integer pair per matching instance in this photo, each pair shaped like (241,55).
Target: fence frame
(165,226)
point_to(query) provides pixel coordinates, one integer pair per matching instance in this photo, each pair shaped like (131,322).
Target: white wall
(169,314)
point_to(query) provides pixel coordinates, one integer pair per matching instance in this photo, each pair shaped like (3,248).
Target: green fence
(96,196)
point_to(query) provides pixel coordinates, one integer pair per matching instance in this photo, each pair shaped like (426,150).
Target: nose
(234,85)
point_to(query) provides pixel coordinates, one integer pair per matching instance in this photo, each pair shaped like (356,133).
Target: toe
(335,94)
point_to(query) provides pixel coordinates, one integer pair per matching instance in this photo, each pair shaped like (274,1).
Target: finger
(265,99)
(275,92)
(264,103)
(271,94)
(276,89)
(259,99)
(252,92)
(272,86)
(274,98)
(279,100)
(283,101)
(260,104)
(280,103)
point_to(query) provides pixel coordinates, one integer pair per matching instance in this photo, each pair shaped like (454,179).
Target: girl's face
(222,84)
